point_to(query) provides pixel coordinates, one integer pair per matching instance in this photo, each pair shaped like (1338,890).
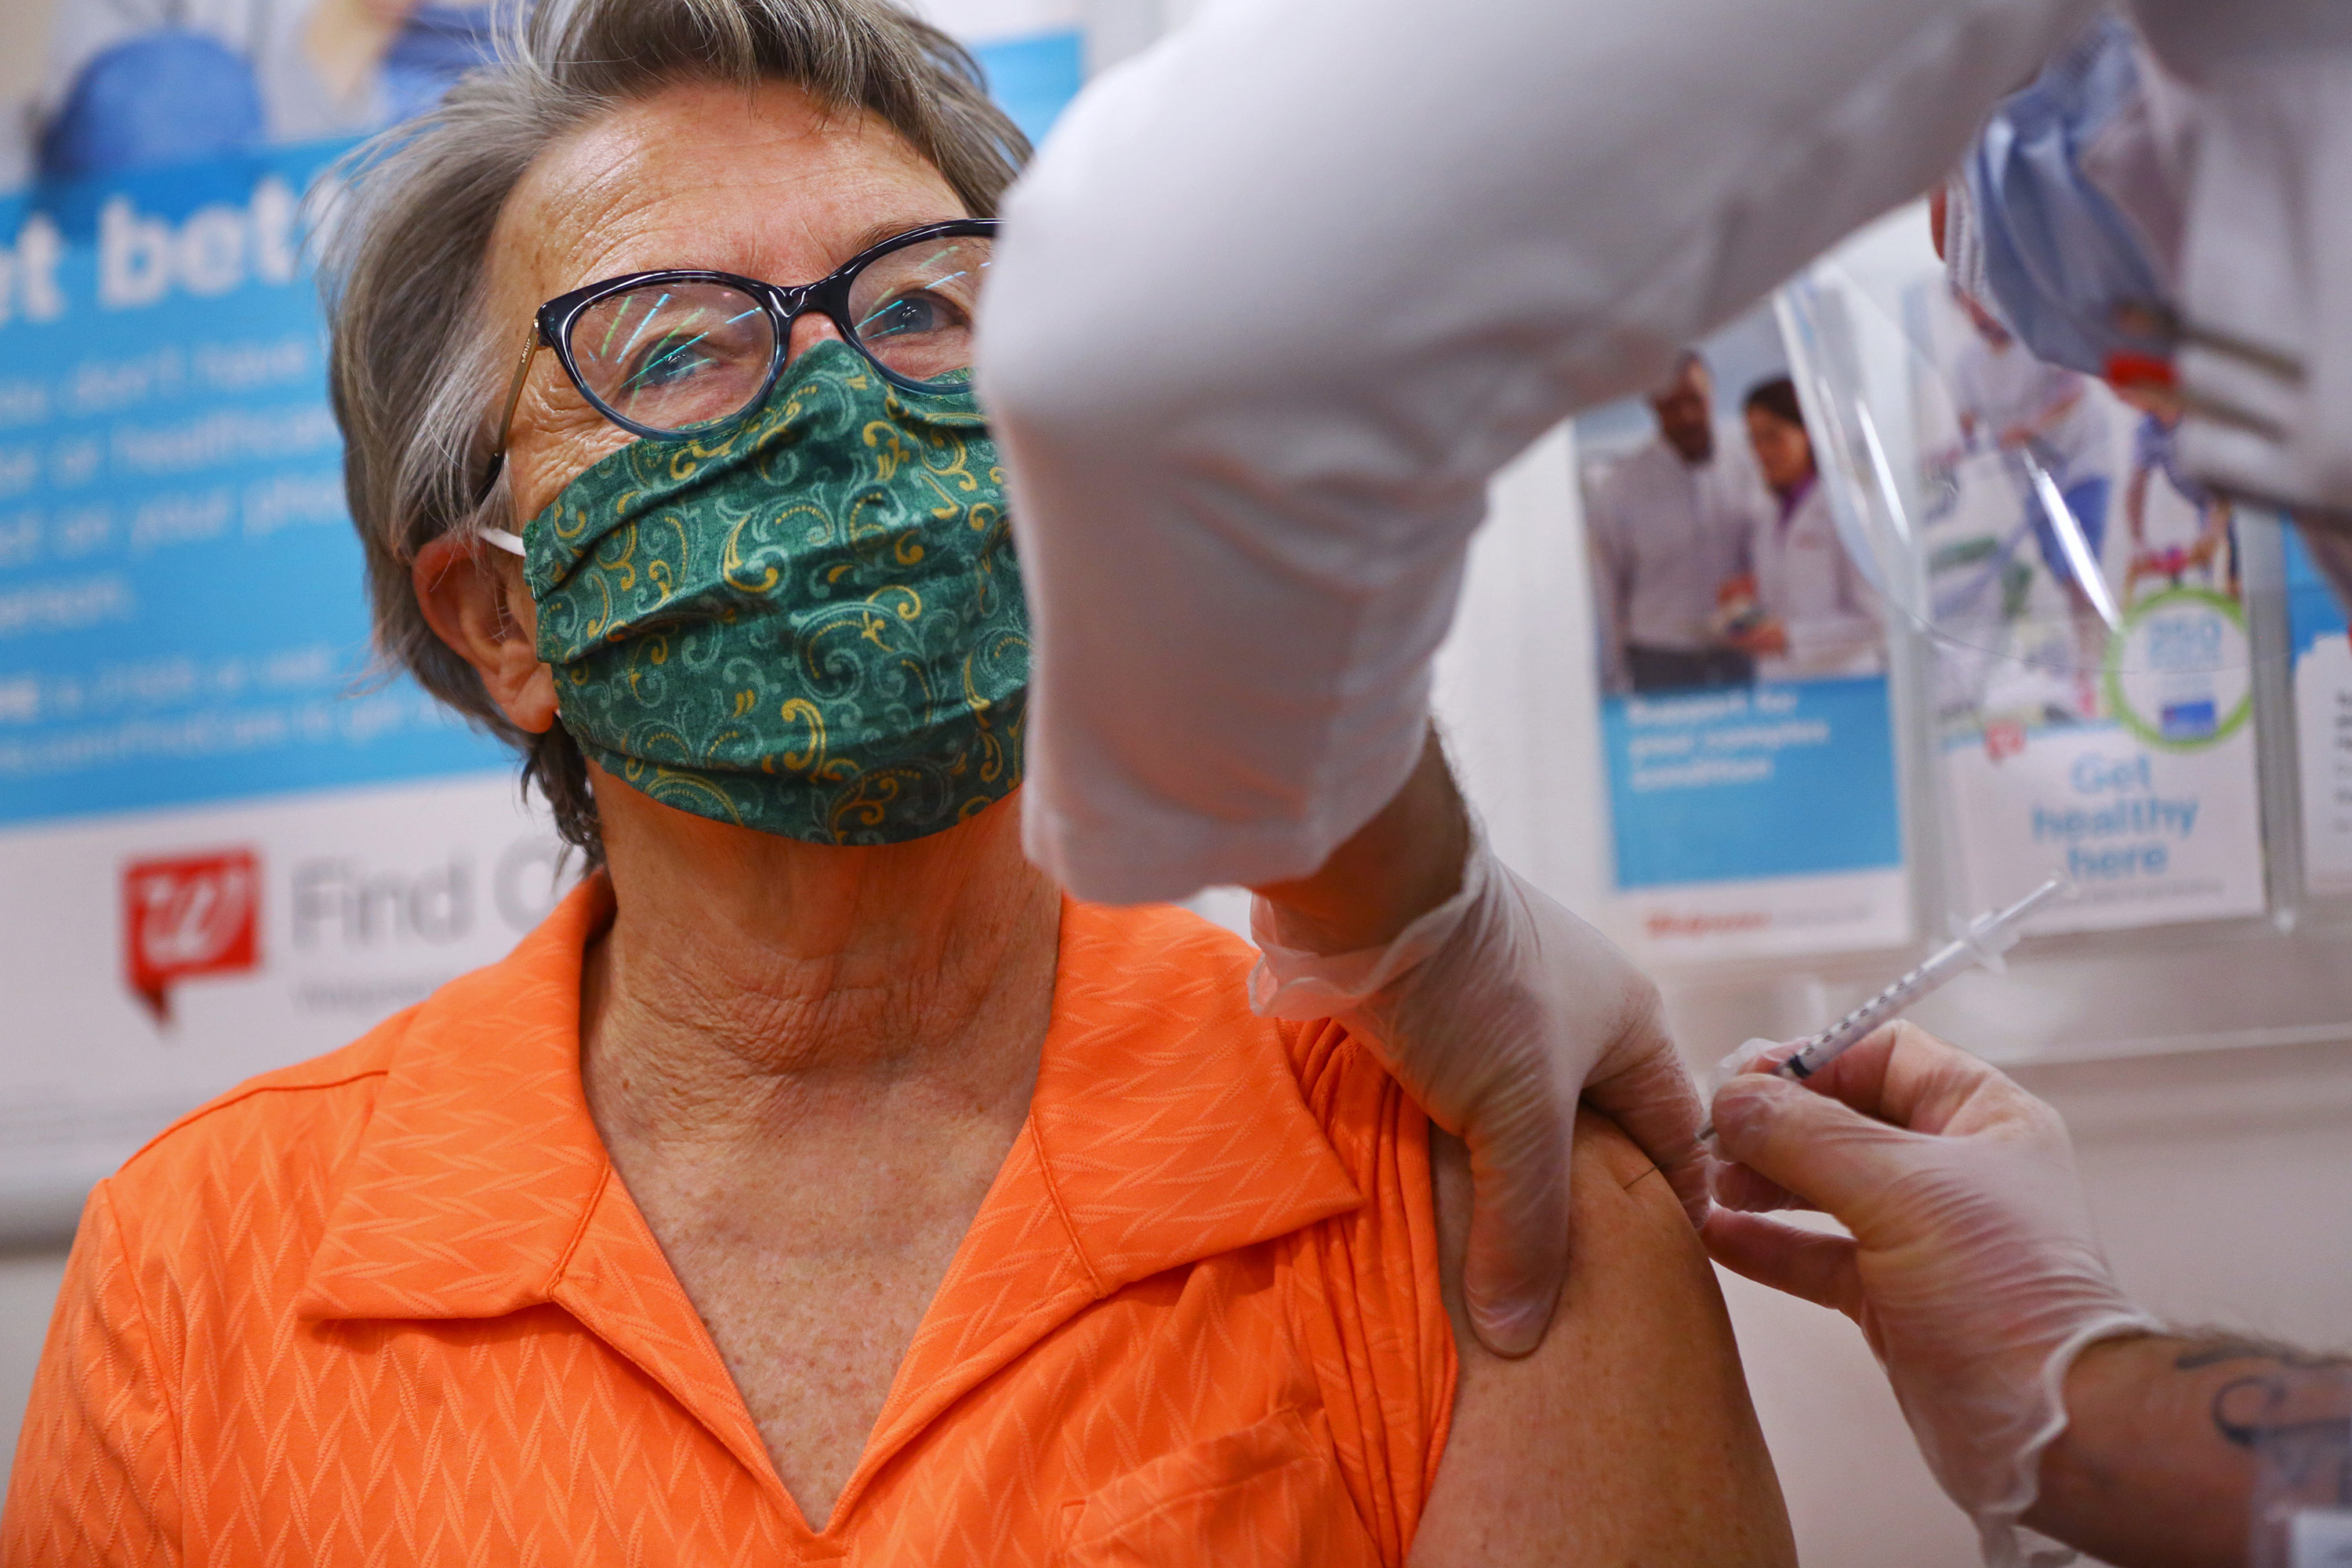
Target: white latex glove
(1495,1010)
(1972,1269)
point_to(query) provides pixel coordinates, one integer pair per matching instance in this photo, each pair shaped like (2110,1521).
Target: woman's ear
(477,601)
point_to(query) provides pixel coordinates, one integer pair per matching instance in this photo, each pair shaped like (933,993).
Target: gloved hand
(1972,1267)
(1494,1010)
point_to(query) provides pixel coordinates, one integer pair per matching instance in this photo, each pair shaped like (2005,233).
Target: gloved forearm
(1495,1009)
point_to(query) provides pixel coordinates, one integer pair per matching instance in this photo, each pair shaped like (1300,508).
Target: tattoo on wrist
(2288,1406)
(2291,1410)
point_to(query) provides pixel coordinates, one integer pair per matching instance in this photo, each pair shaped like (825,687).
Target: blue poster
(180,611)
(1751,782)
(1747,738)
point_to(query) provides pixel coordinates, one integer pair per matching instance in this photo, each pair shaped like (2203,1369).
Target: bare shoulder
(1628,1437)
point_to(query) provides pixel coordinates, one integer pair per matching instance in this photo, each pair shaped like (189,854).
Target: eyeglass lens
(913,307)
(676,356)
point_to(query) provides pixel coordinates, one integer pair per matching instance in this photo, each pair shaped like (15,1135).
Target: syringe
(1987,936)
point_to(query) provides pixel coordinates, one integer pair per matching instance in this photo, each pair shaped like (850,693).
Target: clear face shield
(2036,524)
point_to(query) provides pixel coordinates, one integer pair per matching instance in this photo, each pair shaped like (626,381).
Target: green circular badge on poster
(2179,672)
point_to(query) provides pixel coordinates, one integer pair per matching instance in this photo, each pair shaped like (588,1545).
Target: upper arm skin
(1627,1437)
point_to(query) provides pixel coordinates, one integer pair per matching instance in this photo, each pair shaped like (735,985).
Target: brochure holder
(2162,754)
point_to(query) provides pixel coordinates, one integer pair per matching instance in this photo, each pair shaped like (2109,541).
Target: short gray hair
(416,366)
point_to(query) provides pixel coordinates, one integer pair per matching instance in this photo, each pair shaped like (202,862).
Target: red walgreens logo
(193,914)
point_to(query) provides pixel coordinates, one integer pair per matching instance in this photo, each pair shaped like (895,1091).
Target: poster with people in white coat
(1745,718)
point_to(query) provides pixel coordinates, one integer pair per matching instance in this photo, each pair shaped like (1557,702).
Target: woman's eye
(670,360)
(909,314)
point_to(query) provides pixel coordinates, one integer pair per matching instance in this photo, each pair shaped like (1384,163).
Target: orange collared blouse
(394,1307)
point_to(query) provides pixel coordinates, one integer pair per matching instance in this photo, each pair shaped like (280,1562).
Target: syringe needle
(1983,942)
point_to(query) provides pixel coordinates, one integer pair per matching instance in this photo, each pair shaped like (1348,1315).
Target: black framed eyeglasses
(683,350)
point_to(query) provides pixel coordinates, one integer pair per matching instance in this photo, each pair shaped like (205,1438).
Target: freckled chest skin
(809,1213)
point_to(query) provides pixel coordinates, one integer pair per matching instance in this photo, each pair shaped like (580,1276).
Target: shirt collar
(1167,1124)
(476,1172)
(1168,1115)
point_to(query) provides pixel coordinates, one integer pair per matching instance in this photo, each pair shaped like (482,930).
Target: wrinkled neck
(748,980)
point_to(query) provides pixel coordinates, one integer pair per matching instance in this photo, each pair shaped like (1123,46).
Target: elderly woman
(817,1184)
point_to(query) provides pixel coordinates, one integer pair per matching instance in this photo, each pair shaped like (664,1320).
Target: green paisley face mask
(807,622)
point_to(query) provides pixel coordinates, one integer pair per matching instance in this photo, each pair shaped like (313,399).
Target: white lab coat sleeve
(1277,297)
